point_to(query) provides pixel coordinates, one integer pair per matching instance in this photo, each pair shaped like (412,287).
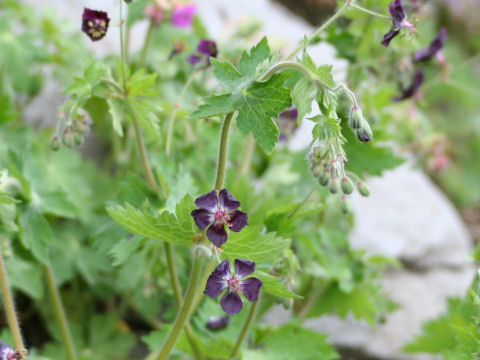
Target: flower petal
(389,36)
(194,59)
(217,322)
(231,303)
(238,220)
(217,281)
(207,48)
(398,13)
(183,15)
(95,23)
(418,78)
(217,234)
(435,46)
(207,201)
(244,267)
(202,218)
(227,201)
(251,287)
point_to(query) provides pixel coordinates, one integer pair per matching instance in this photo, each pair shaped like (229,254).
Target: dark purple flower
(399,19)
(222,279)
(217,322)
(7,352)
(206,49)
(183,15)
(194,59)
(95,23)
(216,211)
(290,114)
(434,49)
(417,81)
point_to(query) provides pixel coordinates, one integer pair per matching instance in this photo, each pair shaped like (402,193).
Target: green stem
(185,310)
(60,313)
(247,156)
(9,306)
(122,51)
(286,65)
(209,267)
(309,304)
(303,202)
(171,120)
(244,331)
(146,44)
(320,29)
(371,12)
(222,154)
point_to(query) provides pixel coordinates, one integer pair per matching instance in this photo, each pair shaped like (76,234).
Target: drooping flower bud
(356,118)
(345,205)
(78,139)
(363,188)
(68,138)
(334,185)
(55,143)
(325,178)
(364,134)
(347,185)
(318,170)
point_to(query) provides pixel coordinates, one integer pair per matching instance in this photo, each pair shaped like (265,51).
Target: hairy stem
(146,44)
(244,331)
(122,50)
(304,201)
(185,310)
(9,306)
(222,154)
(60,313)
(371,12)
(288,65)
(320,29)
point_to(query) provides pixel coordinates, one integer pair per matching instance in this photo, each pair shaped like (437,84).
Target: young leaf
(274,286)
(36,234)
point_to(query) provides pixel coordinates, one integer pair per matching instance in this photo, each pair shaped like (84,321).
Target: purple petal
(244,267)
(418,78)
(217,322)
(183,15)
(251,287)
(7,352)
(238,220)
(217,281)
(207,201)
(207,48)
(231,303)
(194,59)
(217,234)
(202,218)
(389,36)
(398,13)
(227,201)
(435,46)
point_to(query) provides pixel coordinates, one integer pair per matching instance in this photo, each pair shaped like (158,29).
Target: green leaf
(122,250)
(303,94)
(214,106)
(25,276)
(36,234)
(251,244)
(323,72)
(274,286)
(58,203)
(226,74)
(166,226)
(117,111)
(8,213)
(289,342)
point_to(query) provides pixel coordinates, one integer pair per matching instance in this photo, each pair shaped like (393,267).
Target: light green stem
(320,29)
(244,331)
(122,50)
(185,310)
(222,154)
(60,313)
(9,306)
(146,44)
(287,65)
(371,12)
(247,156)
(304,201)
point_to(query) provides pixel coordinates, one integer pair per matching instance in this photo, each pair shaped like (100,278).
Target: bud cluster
(359,125)
(327,164)
(76,128)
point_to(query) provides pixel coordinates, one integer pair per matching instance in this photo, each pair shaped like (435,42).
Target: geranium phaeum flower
(288,122)
(217,322)
(222,279)
(8,353)
(217,211)
(409,92)
(206,49)
(399,19)
(183,15)
(95,23)
(434,49)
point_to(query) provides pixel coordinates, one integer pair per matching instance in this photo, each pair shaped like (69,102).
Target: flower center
(221,217)
(234,284)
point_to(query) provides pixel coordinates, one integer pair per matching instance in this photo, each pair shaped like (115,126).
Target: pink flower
(154,13)
(183,14)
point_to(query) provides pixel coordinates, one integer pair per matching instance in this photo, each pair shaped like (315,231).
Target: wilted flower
(399,19)
(216,211)
(155,13)
(434,49)
(8,353)
(409,92)
(206,49)
(95,23)
(217,322)
(222,279)
(183,14)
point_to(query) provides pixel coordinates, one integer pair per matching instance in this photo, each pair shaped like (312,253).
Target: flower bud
(364,134)
(363,188)
(68,138)
(345,205)
(318,170)
(334,185)
(356,118)
(78,138)
(325,178)
(82,127)
(347,185)
(55,143)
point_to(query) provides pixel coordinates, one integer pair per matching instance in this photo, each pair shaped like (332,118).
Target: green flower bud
(347,185)
(356,118)
(334,185)
(318,170)
(364,134)
(68,138)
(55,143)
(363,188)
(345,205)
(325,178)
(82,127)
(78,138)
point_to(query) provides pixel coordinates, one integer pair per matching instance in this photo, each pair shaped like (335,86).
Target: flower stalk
(245,328)
(222,154)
